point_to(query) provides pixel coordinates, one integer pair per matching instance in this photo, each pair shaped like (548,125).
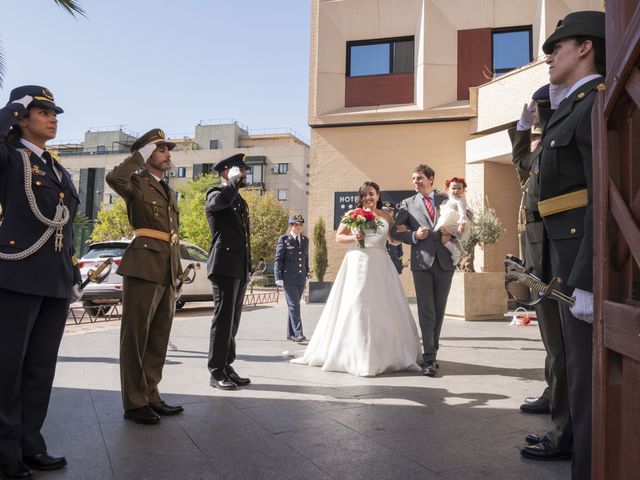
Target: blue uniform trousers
(293,295)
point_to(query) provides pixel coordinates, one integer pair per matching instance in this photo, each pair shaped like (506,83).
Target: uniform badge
(47,93)
(581,95)
(35,170)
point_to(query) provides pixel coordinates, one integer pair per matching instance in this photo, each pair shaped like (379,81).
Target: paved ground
(297,422)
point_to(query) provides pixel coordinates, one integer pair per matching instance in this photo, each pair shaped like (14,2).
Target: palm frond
(1,66)
(72,7)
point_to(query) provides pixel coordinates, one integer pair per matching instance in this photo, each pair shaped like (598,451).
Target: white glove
(147,150)
(76,292)
(526,119)
(556,95)
(24,101)
(280,283)
(234,174)
(583,309)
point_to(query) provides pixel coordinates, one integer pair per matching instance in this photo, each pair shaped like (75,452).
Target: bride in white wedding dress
(366,327)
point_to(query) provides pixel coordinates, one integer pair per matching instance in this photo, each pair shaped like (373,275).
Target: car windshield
(104,251)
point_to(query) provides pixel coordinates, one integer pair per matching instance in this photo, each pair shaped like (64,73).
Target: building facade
(277,160)
(396,83)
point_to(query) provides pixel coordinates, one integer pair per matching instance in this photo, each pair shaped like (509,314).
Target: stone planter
(477,296)
(319,291)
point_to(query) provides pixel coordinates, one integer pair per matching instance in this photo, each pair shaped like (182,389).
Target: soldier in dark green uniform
(555,399)
(576,59)
(150,267)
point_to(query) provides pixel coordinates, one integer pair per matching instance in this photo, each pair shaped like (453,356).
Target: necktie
(295,238)
(166,188)
(427,203)
(46,156)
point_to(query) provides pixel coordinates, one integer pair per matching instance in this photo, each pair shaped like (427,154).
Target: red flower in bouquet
(361,219)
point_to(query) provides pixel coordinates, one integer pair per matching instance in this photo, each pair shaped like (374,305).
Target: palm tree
(71,6)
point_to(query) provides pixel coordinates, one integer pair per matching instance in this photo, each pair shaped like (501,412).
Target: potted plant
(478,295)
(319,290)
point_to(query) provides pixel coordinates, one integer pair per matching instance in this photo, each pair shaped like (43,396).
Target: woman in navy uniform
(291,270)
(39,275)
(577,62)
(228,268)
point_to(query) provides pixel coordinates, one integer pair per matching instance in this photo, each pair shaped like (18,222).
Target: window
(380,57)
(282,195)
(511,49)
(182,172)
(101,149)
(283,168)
(214,144)
(112,198)
(196,254)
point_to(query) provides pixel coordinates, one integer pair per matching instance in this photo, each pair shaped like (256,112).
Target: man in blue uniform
(39,275)
(291,270)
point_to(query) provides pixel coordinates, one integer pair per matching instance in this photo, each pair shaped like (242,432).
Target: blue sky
(147,64)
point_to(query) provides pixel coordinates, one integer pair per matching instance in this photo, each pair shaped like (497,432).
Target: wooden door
(616,115)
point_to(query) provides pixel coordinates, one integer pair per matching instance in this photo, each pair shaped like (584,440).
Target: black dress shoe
(533,439)
(430,369)
(544,451)
(299,338)
(44,461)
(539,405)
(164,409)
(235,378)
(15,470)
(222,381)
(143,415)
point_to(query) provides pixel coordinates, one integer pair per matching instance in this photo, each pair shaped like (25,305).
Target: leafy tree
(71,6)
(320,257)
(268,220)
(193,221)
(112,223)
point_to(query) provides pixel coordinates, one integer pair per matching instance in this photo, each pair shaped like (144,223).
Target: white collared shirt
(38,151)
(581,82)
(159,179)
(295,237)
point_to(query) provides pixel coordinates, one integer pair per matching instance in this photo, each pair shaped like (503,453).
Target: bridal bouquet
(361,219)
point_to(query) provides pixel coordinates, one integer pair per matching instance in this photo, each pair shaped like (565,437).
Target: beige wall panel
(510,13)
(440,38)
(464,14)
(399,18)
(332,47)
(440,85)
(330,93)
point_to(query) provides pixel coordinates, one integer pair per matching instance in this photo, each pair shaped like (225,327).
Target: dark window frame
(521,28)
(283,168)
(380,41)
(182,172)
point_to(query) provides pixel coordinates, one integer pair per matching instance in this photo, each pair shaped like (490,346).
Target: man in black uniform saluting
(228,268)
(39,275)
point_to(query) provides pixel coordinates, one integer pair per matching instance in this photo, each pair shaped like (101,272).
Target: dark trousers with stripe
(31,329)
(228,297)
(293,295)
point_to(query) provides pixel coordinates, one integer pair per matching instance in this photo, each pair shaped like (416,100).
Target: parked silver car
(110,290)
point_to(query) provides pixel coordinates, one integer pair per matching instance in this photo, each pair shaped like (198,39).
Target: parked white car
(110,291)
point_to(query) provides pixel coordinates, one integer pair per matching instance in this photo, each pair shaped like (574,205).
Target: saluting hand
(147,150)
(234,174)
(24,101)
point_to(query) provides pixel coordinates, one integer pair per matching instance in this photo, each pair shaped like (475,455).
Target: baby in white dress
(453,217)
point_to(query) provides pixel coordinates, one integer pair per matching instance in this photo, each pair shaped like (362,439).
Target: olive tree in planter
(478,295)
(319,291)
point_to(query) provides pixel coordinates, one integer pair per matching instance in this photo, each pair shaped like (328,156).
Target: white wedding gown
(366,327)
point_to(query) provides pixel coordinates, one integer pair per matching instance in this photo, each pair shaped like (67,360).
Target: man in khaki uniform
(150,267)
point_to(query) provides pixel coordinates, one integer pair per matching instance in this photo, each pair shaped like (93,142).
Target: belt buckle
(174,238)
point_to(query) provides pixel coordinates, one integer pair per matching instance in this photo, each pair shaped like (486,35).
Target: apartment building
(277,160)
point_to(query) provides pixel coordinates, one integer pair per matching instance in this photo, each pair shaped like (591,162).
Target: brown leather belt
(171,238)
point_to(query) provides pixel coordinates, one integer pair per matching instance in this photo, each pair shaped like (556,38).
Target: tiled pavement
(297,422)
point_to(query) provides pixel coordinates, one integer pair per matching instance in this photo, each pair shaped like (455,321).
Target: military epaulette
(74,259)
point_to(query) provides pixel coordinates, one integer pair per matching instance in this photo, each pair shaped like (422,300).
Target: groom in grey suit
(431,263)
